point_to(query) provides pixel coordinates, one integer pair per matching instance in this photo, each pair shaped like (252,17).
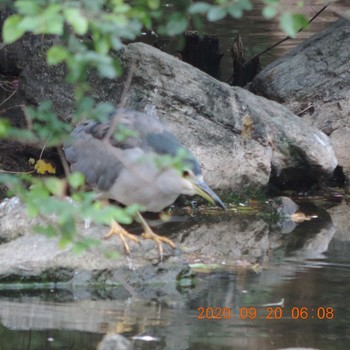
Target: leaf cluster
(87,34)
(46,199)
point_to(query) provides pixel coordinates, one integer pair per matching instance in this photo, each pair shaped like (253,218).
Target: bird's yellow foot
(149,234)
(116,229)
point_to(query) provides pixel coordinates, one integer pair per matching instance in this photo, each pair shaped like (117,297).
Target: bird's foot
(124,235)
(149,234)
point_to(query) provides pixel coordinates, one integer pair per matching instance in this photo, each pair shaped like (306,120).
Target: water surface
(298,297)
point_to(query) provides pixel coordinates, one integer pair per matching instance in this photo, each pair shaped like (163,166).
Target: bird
(133,158)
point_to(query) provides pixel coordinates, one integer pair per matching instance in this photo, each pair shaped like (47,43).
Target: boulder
(14,57)
(313,80)
(223,239)
(241,140)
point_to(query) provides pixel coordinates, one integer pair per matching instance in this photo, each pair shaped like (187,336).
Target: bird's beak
(207,193)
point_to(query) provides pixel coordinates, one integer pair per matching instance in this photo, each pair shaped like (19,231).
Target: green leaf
(53,26)
(235,11)
(269,12)
(56,54)
(11,30)
(82,246)
(271,2)
(48,230)
(286,23)
(153,4)
(133,209)
(292,23)
(116,43)
(51,20)
(75,18)
(30,24)
(111,254)
(46,23)
(216,13)
(117,67)
(26,7)
(76,180)
(102,45)
(32,210)
(106,70)
(121,216)
(199,7)
(300,21)
(5,125)
(246,5)
(177,24)
(197,22)
(56,186)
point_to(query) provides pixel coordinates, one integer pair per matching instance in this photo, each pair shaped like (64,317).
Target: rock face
(313,80)
(241,140)
(228,239)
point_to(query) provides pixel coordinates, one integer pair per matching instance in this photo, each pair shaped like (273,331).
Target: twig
(287,37)
(26,115)
(16,172)
(43,148)
(127,85)
(117,116)
(11,107)
(6,99)
(63,161)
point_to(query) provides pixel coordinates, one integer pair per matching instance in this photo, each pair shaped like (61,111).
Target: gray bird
(133,158)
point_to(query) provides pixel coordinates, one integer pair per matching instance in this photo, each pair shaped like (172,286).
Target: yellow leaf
(44,167)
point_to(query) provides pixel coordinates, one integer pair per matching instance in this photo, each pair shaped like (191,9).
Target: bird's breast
(143,182)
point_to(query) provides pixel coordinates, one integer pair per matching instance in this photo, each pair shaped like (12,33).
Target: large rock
(228,239)
(240,139)
(313,80)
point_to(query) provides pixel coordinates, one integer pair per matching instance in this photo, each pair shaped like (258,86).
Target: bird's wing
(93,157)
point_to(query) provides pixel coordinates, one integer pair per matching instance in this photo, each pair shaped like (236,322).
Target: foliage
(86,34)
(46,198)
(90,29)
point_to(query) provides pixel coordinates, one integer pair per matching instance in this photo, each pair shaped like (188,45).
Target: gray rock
(227,128)
(284,206)
(340,215)
(223,239)
(14,57)
(340,139)
(240,139)
(313,80)
(13,219)
(34,258)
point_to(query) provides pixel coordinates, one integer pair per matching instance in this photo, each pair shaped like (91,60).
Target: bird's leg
(116,229)
(149,234)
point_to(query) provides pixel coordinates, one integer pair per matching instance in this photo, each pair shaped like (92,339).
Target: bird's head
(195,184)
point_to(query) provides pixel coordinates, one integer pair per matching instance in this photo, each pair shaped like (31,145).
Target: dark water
(304,275)
(298,297)
(258,33)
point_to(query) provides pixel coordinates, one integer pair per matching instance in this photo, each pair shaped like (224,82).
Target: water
(298,297)
(258,33)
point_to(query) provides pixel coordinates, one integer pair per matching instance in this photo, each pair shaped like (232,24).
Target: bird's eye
(186,173)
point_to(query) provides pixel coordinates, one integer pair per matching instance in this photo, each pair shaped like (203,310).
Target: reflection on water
(300,298)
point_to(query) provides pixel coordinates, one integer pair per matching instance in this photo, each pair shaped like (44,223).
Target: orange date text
(268,313)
